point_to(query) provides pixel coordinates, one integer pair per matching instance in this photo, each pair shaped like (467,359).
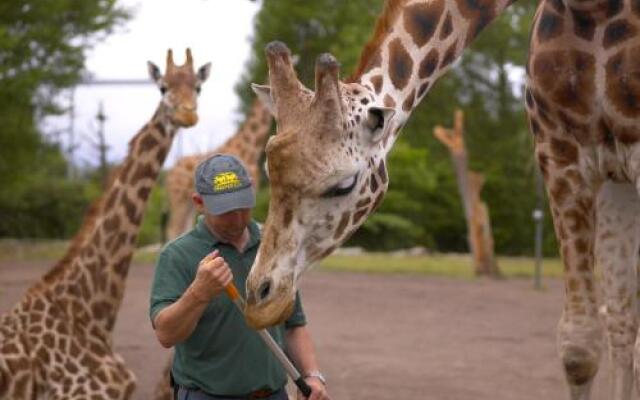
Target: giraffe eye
(198,88)
(342,188)
(163,89)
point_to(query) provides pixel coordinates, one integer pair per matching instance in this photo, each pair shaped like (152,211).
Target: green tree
(309,28)
(42,50)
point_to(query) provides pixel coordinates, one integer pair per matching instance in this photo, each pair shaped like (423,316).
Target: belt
(197,394)
(260,394)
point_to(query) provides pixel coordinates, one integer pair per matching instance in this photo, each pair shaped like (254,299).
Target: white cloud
(217,31)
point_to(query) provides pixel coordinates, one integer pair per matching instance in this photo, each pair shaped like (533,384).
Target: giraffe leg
(180,212)
(617,242)
(572,202)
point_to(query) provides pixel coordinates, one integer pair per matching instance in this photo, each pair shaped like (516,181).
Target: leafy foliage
(42,47)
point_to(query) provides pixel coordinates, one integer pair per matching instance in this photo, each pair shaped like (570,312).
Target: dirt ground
(388,337)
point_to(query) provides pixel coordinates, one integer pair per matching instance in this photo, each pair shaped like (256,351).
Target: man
(217,356)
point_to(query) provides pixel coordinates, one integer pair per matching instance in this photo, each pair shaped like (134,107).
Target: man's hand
(318,390)
(212,277)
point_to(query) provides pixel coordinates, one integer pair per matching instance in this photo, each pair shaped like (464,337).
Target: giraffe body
(56,343)
(247,144)
(327,160)
(581,96)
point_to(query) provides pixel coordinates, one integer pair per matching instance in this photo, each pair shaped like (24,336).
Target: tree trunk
(476,212)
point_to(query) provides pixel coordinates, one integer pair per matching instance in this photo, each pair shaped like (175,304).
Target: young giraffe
(327,161)
(247,144)
(57,341)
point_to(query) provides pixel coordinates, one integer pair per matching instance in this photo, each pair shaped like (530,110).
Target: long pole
(298,379)
(538,217)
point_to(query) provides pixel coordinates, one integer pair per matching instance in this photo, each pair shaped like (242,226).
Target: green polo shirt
(223,356)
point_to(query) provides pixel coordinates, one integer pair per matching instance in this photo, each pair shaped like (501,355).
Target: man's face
(230,225)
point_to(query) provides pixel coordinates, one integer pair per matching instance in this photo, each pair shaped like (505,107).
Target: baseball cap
(224,184)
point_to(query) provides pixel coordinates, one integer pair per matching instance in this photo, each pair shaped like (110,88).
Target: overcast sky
(217,31)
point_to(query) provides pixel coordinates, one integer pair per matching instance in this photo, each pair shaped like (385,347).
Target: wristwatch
(316,374)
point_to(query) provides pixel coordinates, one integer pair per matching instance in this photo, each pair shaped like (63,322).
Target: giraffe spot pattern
(147,143)
(344,219)
(567,76)
(400,65)
(560,191)
(535,126)
(584,26)
(635,7)
(543,163)
(576,220)
(449,55)
(421,20)
(428,64)
(557,5)
(288,217)
(407,104)
(614,7)
(549,26)
(382,172)
(130,208)
(605,136)
(573,126)
(447,27)
(564,152)
(529,99)
(357,216)
(617,32)
(377,201)
(388,101)
(622,74)
(478,12)
(141,172)
(373,184)
(377,83)
(423,90)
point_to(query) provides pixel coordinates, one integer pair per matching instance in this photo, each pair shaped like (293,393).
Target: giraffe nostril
(264,290)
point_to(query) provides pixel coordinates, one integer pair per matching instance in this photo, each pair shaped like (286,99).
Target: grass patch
(32,250)
(52,250)
(448,265)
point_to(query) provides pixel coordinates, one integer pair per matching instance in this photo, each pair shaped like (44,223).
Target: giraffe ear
(154,72)
(264,94)
(204,71)
(378,121)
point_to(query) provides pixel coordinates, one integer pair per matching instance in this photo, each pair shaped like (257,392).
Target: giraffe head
(333,138)
(180,86)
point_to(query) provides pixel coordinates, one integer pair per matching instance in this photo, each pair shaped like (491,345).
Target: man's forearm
(176,322)
(301,350)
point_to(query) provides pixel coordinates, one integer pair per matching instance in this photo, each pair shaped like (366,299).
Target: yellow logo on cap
(226,181)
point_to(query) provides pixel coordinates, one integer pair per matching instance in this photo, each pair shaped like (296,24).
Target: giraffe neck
(250,139)
(89,287)
(414,44)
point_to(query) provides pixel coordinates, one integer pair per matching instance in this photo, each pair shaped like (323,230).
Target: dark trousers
(188,394)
